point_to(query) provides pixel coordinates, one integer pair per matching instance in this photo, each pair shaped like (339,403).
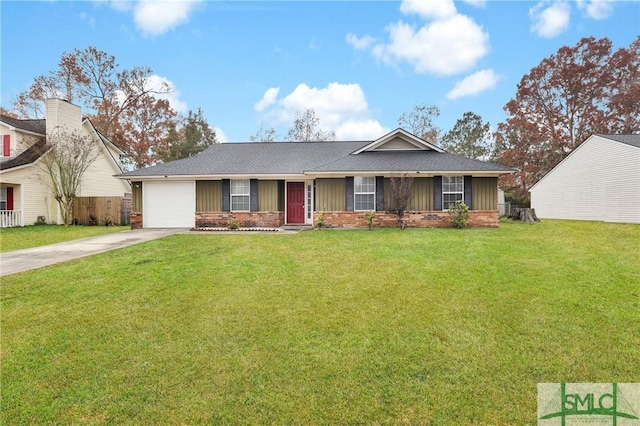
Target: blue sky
(358,64)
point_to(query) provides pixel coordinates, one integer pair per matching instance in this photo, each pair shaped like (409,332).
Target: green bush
(459,214)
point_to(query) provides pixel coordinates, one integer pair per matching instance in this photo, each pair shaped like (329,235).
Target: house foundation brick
(135,220)
(337,219)
(412,219)
(245,219)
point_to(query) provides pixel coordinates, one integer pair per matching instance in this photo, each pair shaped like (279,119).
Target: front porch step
(297,227)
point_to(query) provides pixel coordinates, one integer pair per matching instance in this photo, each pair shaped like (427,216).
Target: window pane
(239,187)
(364,202)
(239,202)
(448,199)
(452,183)
(364,184)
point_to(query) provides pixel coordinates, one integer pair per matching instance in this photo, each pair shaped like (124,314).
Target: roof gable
(399,140)
(628,139)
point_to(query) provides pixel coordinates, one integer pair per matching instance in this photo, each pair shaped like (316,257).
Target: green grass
(410,327)
(40,235)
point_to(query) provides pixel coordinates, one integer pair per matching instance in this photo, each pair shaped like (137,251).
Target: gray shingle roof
(279,158)
(28,156)
(633,140)
(35,126)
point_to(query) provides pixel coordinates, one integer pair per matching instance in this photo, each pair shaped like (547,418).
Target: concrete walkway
(23,260)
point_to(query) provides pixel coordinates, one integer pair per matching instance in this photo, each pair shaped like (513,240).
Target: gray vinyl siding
(208,195)
(330,195)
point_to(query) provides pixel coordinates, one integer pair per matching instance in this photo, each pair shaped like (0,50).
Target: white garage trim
(169,204)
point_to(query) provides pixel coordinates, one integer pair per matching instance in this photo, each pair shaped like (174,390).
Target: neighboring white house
(24,192)
(599,180)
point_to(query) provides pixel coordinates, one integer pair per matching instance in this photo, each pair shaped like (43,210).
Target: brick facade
(245,219)
(422,219)
(338,219)
(135,219)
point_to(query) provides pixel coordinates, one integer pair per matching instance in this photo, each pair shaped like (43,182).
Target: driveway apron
(23,260)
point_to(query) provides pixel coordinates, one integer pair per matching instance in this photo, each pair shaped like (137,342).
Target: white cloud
(220,136)
(476,3)
(269,98)
(549,19)
(596,9)
(360,130)
(155,18)
(359,43)
(474,84)
(121,5)
(159,83)
(443,47)
(341,108)
(429,9)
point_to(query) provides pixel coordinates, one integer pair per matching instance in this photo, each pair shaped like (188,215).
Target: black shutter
(226,195)
(379,193)
(280,195)
(348,191)
(468,186)
(437,192)
(253,195)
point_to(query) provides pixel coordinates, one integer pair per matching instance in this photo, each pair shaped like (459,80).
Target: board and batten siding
(136,197)
(330,194)
(599,181)
(268,195)
(484,192)
(208,195)
(421,194)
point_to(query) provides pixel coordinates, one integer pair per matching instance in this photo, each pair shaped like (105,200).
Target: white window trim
(3,197)
(232,194)
(364,193)
(308,205)
(461,192)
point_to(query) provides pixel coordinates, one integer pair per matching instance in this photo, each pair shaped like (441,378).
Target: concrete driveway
(24,260)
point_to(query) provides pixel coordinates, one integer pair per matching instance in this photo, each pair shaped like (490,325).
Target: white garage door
(168,204)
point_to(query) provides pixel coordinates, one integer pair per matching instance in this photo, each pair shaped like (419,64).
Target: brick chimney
(62,116)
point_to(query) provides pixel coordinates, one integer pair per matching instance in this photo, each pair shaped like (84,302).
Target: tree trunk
(526,215)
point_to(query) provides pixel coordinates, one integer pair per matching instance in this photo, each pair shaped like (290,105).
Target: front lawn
(436,326)
(40,235)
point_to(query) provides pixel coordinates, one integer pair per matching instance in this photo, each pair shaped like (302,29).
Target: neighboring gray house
(272,184)
(599,180)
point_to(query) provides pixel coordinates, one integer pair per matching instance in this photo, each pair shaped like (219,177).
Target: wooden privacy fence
(102,210)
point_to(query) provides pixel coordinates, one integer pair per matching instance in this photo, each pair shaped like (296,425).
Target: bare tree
(124,105)
(420,122)
(400,197)
(306,128)
(69,156)
(262,135)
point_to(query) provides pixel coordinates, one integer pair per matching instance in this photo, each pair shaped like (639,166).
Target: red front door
(295,202)
(9,198)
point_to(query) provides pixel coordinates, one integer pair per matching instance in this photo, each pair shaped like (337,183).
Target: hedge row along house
(293,183)
(25,194)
